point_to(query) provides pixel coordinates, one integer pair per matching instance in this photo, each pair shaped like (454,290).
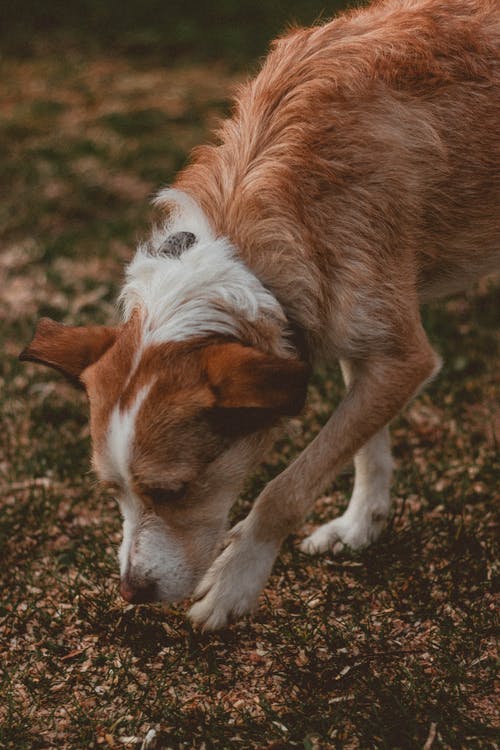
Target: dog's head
(176,426)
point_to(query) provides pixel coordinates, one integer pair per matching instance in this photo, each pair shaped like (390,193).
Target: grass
(395,647)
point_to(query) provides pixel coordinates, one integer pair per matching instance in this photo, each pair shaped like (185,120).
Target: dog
(357,178)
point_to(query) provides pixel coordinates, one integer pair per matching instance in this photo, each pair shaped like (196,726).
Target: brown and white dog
(357,178)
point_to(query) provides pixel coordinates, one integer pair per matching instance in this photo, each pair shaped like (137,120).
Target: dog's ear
(242,377)
(69,349)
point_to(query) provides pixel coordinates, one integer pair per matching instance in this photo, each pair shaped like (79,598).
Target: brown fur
(357,177)
(69,349)
(360,170)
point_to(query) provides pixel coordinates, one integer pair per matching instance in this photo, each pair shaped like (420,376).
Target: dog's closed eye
(164,496)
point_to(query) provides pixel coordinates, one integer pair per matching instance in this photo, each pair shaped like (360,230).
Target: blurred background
(237,31)
(100,106)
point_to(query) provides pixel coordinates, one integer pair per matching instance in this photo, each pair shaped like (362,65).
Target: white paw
(232,585)
(340,533)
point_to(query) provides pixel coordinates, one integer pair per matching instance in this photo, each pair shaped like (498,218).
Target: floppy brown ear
(242,377)
(69,349)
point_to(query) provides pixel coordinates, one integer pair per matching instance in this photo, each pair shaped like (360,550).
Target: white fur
(233,583)
(131,509)
(186,216)
(121,435)
(206,290)
(369,506)
(158,556)
(150,552)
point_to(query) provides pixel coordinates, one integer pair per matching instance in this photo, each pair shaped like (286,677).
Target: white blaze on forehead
(121,433)
(131,512)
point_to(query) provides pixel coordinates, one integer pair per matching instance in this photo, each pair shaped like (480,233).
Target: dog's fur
(357,177)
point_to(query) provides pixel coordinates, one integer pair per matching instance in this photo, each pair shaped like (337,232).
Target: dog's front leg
(369,506)
(234,581)
(380,387)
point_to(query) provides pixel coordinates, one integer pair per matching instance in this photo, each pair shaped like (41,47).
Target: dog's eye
(163,496)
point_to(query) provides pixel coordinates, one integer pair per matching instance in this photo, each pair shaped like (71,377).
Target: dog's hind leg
(369,506)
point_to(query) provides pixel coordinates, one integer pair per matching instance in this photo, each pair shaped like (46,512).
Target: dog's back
(361,143)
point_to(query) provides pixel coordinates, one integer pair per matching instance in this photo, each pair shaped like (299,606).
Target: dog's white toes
(329,537)
(318,542)
(338,534)
(231,587)
(204,586)
(204,615)
(221,603)
(338,548)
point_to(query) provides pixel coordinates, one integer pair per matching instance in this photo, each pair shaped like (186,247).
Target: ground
(391,648)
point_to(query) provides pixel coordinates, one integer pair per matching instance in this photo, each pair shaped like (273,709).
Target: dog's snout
(136,592)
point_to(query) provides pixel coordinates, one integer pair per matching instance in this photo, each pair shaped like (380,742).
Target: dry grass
(392,648)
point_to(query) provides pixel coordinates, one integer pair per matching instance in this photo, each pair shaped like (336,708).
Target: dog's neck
(187,283)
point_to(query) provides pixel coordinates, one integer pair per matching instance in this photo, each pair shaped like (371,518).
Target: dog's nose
(138,593)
